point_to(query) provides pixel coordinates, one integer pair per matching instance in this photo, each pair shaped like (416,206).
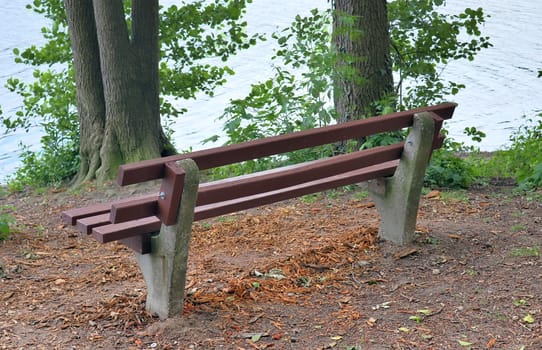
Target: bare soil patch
(302,274)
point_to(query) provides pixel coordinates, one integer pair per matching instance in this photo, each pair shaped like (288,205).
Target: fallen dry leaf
(491,343)
(404,253)
(433,194)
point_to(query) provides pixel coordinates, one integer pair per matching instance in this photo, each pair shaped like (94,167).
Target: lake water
(502,84)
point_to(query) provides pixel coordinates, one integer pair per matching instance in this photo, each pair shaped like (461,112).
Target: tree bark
(116,72)
(132,129)
(88,79)
(363,71)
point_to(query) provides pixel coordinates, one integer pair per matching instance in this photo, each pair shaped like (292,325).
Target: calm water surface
(502,84)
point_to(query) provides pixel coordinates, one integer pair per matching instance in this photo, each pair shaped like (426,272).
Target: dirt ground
(302,274)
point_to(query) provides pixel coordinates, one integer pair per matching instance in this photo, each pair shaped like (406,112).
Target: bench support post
(164,269)
(397,198)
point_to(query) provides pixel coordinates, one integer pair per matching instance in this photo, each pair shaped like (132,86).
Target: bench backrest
(219,156)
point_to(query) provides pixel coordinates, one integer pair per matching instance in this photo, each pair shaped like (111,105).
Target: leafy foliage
(6,220)
(190,34)
(424,41)
(48,102)
(448,170)
(299,95)
(288,102)
(50,97)
(525,155)
(522,160)
(295,98)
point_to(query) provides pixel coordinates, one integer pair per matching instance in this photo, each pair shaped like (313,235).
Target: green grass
(311,198)
(226,218)
(517,228)
(455,196)
(361,195)
(471,272)
(518,214)
(526,252)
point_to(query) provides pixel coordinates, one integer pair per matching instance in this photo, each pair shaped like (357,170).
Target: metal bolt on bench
(158,226)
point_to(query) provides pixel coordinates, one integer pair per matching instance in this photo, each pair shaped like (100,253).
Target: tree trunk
(124,125)
(132,127)
(363,71)
(88,79)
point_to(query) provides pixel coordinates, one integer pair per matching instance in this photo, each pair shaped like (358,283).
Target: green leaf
(256,337)
(529,319)
(520,302)
(416,318)
(464,343)
(424,312)
(4,228)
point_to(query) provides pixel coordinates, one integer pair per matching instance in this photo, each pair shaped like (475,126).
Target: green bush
(51,166)
(446,169)
(523,159)
(525,155)
(6,220)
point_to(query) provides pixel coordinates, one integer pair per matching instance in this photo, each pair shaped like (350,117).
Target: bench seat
(108,222)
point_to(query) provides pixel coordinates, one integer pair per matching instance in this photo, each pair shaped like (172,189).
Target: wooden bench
(158,226)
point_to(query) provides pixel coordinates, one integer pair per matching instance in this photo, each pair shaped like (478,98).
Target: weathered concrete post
(397,198)
(164,269)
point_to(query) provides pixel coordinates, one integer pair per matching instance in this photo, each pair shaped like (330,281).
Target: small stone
(436,271)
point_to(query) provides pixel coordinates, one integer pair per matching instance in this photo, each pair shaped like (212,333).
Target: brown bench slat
(140,244)
(230,206)
(115,232)
(236,188)
(218,156)
(71,216)
(264,181)
(438,142)
(172,188)
(144,209)
(136,234)
(85,225)
(145,206)
(134,209)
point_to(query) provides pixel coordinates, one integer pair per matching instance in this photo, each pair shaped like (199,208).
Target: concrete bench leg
(164,269)
(397,198)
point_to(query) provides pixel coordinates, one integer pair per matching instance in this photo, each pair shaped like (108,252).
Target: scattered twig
(256,318)
(317,267)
